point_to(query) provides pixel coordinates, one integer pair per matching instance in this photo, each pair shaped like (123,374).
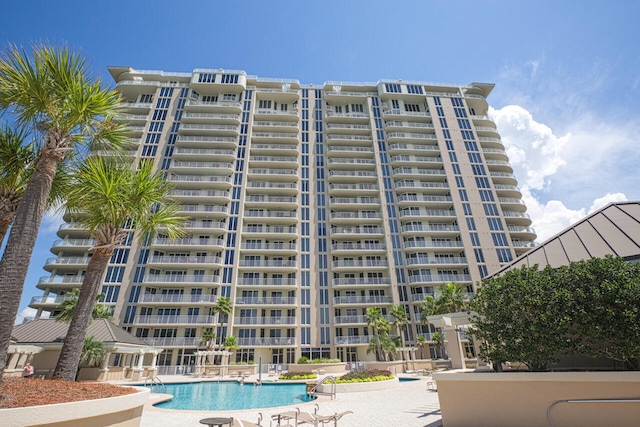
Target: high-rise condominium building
(307,205)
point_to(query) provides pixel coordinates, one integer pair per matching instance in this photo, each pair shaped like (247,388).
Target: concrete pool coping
(410,404)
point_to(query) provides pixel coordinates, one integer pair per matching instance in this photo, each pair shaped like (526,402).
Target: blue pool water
(223,396)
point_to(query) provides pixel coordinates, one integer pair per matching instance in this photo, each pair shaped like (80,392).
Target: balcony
(525,233)
(353,202)
(229,107)
(201,168)
(516,218)
(277,264)
(349,217)
(189,243)
(413,185)
(165,342)
(436,174)
(333,117)
(415,161)
(72,245)
(205,320)
(423,244)
(266,301)
(220,142)
(270,231)
(200,182)
(185,261)
(73,263)
(273,217)
(432,201)
(132,119)
(512,203)
(400,126)
(273,136)
(436,262)
(286,175)
(60,283)
(368,264)
(342,151)
(395,115)
(427,213)
(367,232)
(206,211)
(272,188)
(395,149)
(268,201)
(439,278)
(209,196)
(48,301)
(274,161)
(276,126)
(489,142)
(230,119)
(181,279)
(508,191)
(440,230)
(136,108)
(368,300)
(349,247)
(351,140)
(198,154)
(266,114)
(266,321)
(400,137)
(290,150)
(177,299)
(207,129)
(353,340)
(351,164)
(371,282)
(279,282)
(267,342)
(336,176)
(279,247)
(351,189)
(347,128)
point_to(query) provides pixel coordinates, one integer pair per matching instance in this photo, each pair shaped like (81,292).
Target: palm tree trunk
(22,239)
(5,223)
(72,348)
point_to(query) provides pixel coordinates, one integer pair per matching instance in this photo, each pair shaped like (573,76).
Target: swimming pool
(224,396)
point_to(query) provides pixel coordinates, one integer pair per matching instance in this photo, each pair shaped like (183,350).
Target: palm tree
(100,311)
(422,342)
(53,96)
(452,298)
(208,339)
(373,316)
(438,338)
(224,307)
(111,199)
(400,318)
(230,343)
(93,352)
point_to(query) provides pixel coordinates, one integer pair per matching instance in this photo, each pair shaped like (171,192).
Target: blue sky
(567,73)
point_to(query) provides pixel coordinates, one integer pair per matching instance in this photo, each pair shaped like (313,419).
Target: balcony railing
(266,300)
(177,298)
(282,320)
(175,319)
(267,342)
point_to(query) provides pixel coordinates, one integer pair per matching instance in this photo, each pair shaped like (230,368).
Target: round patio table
(217,421)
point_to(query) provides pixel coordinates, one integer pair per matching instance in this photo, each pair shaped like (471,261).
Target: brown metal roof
(51,331)
(612,230)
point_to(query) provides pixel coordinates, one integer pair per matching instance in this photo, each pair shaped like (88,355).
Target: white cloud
(29,313)
(51,221)
(563,178)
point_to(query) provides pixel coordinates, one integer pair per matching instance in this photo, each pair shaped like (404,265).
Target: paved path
(409,404)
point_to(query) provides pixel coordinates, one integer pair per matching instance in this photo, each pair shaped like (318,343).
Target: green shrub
(303,360)
(298,376)
(369,375)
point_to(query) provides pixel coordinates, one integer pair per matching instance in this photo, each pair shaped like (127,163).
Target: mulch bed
(20,392)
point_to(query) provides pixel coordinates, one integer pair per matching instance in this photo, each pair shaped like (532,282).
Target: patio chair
(324,419)
(244,423)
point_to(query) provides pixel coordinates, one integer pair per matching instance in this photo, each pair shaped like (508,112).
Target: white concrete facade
(307,204)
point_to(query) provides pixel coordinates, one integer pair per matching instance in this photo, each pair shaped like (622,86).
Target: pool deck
(409,404)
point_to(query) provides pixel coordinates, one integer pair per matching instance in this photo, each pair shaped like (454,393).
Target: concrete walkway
(409,404)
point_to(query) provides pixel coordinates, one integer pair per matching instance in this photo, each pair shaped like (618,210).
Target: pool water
(224,396)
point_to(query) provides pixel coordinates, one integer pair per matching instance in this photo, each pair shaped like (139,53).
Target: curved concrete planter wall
(121,411)
(353,387)
(328,368)
(513,399)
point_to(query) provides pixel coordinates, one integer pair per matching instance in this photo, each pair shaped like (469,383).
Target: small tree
(438,338)
(208,339)
(100,311)
(93,353)
(589,307)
